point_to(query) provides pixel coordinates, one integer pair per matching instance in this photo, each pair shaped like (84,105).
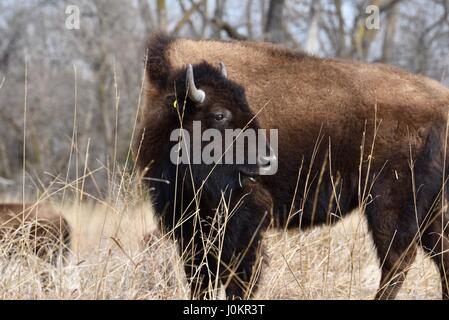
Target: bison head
(219,137)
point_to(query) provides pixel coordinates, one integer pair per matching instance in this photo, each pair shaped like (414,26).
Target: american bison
(350,136)
(46,231)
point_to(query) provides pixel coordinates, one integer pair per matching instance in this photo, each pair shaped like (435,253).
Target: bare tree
(341,46)
(274,30)
(146,14)
(162,14)
(390,31)
(313,34)
(218,17)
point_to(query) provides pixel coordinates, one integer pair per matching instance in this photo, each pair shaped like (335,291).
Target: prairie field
(74,87)
(109,261)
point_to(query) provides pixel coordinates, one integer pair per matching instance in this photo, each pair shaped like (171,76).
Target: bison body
(351,136)
(46,231)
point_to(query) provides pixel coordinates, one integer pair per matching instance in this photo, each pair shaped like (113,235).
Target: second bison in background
(351,136)
(44,229)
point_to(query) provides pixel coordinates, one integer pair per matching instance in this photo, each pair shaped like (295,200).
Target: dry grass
(108,262)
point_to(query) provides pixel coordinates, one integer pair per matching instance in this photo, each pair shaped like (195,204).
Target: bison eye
(219,117)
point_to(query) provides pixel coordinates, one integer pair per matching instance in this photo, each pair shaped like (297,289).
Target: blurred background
(69,95)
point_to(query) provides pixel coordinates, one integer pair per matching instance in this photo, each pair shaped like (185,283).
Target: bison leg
(242,251)
(394,270)
(238,269)
(199,266)
(394,231)
(436,243)
(201,277)
(242,256)
(241,271)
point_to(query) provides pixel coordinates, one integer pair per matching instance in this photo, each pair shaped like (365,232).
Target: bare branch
(230,31)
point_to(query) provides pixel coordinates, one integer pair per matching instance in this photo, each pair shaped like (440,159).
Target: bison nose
(266,160)
(267,164)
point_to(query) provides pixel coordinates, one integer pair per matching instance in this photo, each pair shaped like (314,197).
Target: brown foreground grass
(108,262)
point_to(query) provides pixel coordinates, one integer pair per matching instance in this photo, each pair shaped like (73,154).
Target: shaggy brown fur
(351,135)
(48,232)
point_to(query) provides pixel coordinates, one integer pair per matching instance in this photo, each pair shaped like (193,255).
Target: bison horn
(196,95)
(223,70)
